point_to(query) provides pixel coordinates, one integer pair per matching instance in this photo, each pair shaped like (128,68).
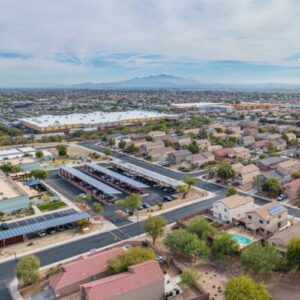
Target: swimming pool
(243,240)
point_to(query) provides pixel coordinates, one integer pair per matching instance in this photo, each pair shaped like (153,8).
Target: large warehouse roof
(91,181)
(118,176)
(144,172)
(94,118)
(6,234)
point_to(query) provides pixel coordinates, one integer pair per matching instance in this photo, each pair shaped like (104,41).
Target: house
(239,153)
(280,239)
(290,165)
(156,133)
(221,154)
(273,137)
(247,140)
(141,281)
(269,163)
(292,189)
(261,144)
(291,136)
(246,174)
(199,159)
(177,157)
(145,148)
(183,141)
(233,207)
(116,138)
(160,153)
(280,144)
(203,144)
(80,271)
(267,218)
(281,175)
(250,131)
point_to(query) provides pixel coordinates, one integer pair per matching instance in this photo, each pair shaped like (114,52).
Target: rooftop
(268,211)
(236,201)
(138,276)
(93,118)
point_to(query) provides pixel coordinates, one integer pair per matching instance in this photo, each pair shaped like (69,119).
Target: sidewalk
(51,241)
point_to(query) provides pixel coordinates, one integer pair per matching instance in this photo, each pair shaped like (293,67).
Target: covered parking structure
(98,190)
(17,234)
(147,174)
(121,182)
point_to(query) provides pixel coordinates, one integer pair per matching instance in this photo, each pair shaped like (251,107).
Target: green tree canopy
(133,201)
(224,244)
(97,208)
(244,288)
(272,187)
(39,174)
(39,154)
(201,227)
(155,226)
(132,256)
(293,253)
(190,276)
(225,170)
(10,168)
(259,259)
(107,152)
(62,149)
(185,243)
(27,269)
(231,191)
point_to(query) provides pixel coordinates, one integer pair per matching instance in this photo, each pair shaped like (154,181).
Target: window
(268,222)
(225,209)
(279,216)
(261,221)
(249,217)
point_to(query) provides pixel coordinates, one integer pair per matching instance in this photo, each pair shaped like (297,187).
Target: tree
(293,253)
(39,154)
(10,168)
(200,226)
(131,148)
(133,202)
(193,147)
(160,205)
(97,208)
(62,150)
(190,276)
(272,187)
(244,288)
(189,181)
(155,227)
(296,174)
(225,170)
(107,152)
(122,144)
(261,260)
(231,191)
(271,147)
(27,269)
(39,174)
(84,223)
(224,244)
(182,189)
(185,243)
(132,256)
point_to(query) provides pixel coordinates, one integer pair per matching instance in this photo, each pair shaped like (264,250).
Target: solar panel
(276,209)
(5,234)
(91,181)
(145,172)
(118,176)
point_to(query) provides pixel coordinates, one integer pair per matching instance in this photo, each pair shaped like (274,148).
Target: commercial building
(255,106)
(95,120)
(202,107)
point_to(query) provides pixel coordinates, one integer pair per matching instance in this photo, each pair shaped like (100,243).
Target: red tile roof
(138,276)
(82,268)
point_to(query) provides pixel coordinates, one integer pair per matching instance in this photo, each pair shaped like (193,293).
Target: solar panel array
(91,181)
(5,234)
(276,209)
(117,176)
(166,180)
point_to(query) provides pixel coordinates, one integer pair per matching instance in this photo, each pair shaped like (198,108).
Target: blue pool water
(241,239)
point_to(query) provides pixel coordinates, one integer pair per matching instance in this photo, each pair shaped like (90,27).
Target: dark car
(146,205)
(168,198)
(4,226)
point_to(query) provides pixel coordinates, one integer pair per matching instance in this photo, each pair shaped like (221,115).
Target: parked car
(146,205)
(161,258)
(168,198)
(42,233)
(4,226)
(282,197)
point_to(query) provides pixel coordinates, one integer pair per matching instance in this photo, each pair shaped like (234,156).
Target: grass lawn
(51,205)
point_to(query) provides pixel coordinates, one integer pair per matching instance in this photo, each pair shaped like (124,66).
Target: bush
(132,256)
(190,276)
(27,269)
(200,226)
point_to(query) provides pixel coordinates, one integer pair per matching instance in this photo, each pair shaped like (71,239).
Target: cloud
(91,38)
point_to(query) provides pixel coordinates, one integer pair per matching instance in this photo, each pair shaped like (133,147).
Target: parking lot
(154,195)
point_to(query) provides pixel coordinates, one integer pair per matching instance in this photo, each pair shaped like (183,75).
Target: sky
(212,41)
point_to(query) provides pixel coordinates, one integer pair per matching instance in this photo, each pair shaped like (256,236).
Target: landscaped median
(51,205)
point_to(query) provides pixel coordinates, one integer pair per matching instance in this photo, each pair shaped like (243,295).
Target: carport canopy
(144,172)
(118,176)
(31,228)
(91,181)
